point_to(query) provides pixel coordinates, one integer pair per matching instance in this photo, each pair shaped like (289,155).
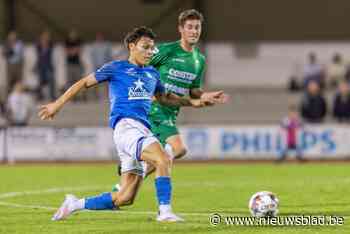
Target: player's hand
(212,98)
(48,111)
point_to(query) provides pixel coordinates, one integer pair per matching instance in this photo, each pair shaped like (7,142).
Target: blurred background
(283,62)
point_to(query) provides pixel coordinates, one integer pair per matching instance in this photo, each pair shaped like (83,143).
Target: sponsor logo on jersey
(182,74)
(180,79)
(176,89)
(131,72)
(138,92)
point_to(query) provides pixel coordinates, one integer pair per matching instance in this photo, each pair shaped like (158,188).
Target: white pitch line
(89,188)
(86,188)
(26,206)
(51,190)
(15,205)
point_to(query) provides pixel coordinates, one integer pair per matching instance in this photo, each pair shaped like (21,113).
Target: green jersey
(180,71)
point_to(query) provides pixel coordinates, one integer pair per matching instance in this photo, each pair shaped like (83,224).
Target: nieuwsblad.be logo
(138,92)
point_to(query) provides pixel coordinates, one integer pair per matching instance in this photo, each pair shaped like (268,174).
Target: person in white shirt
(336,71)
(19,106)
(313,71)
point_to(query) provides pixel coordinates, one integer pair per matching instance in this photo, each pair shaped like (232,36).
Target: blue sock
(163,187)
(100,202)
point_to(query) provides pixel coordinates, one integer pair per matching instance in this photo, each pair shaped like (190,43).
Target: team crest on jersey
(138,91)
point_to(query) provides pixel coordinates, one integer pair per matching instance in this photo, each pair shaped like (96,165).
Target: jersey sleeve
(104,73)
(159,57)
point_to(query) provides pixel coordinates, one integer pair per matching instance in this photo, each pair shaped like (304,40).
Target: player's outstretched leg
(155,155)
(105,201)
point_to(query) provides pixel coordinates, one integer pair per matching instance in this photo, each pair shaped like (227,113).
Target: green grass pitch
(29,195)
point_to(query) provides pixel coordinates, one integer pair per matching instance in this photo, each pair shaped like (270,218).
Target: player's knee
(180,152)
(129,201)
(126,199)
(163,162)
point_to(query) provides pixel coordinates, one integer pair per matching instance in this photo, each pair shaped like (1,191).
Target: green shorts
(163,129)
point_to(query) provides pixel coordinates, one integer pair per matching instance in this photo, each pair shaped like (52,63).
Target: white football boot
(168,217)
(66,209)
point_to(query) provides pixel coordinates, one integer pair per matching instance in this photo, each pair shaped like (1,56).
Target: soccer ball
(263,204)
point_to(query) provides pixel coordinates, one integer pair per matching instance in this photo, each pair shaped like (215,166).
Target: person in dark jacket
(74,63)
(313,104)
(13,52)
(44,66)
(341,103)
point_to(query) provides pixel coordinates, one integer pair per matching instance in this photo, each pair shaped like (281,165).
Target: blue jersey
(131,89)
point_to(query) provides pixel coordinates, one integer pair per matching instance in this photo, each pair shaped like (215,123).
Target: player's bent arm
(209,98)
(196,93)
(48,111)
(82,84)
(171,99)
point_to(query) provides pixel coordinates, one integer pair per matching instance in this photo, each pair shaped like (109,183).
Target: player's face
(191,31)
(142,51)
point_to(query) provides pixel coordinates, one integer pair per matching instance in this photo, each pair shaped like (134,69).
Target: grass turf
(199,190)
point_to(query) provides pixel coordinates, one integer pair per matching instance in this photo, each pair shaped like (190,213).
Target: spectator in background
(3,121)
(291,125)
(336,71)
(313,104)
(19,106)
(101,53)
(73,58)
(313,71)
(295,83)
(341,104)
(347,73)
(13,54)
(44,66)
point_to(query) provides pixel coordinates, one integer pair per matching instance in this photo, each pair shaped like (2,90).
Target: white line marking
(15,205)
(26,206)
(51,190)
(86,188)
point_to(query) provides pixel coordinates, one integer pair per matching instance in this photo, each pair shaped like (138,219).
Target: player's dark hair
(135,35)
(190,14)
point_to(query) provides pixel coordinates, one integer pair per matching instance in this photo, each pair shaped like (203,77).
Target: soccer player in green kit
(181,66)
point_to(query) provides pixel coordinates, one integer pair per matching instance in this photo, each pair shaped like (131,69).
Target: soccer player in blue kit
(132,85)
